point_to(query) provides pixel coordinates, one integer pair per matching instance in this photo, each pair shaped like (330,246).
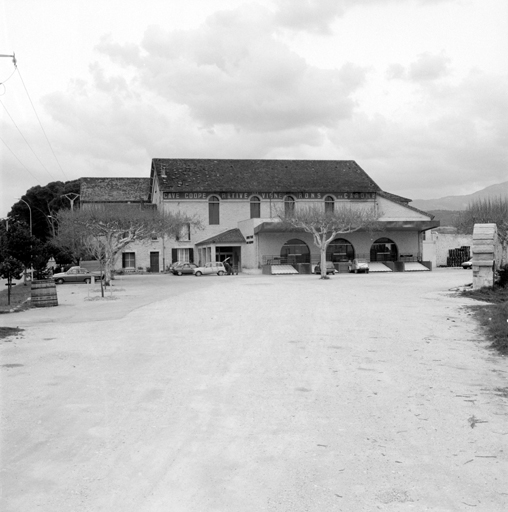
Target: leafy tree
(487,211)
(61,254)
(44,204)
(103,231)
(10,268)
(324,226)
(19,244)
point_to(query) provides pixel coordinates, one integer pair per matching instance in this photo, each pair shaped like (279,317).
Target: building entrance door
(233,253)
(154,261)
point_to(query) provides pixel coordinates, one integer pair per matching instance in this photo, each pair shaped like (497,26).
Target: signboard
(182,196)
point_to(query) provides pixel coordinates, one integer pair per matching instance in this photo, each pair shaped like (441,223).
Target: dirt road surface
(254,393)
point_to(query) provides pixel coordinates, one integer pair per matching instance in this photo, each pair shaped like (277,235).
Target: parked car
(76,275)
(176,264)
(184,268)
(359,265)
(214,267)
(467,264)
(330,268)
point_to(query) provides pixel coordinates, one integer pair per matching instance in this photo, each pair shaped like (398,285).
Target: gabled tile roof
(394,197)
(231,236)
(208,175)
(404,201)
(114,190)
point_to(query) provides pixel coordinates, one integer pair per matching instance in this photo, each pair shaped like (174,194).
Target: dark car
(183,269)
(76,275)
(330,268)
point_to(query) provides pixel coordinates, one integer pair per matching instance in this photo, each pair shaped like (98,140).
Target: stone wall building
(237,202)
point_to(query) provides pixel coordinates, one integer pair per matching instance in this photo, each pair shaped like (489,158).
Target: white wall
(394,211)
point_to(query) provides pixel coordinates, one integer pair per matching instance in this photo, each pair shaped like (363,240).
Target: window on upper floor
(329,204)
(255,207)
(185,233)
(213,210)
(289,205)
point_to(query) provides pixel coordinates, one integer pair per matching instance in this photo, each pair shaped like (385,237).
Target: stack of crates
(457,256)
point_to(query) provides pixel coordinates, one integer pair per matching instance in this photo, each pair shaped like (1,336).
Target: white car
(213,267)
(467,264)
(359,265)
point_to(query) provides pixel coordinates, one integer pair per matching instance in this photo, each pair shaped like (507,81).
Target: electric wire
(40,124)
(8,78)
(24,138)
(22,164)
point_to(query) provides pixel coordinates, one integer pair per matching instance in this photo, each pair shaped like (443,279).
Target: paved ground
(252,393)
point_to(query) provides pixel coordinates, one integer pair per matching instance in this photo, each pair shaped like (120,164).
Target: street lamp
(30,210)
(51,221)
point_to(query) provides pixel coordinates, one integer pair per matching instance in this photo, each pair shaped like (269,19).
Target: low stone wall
(445,241)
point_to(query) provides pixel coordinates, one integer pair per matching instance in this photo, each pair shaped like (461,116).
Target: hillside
(458,203)
(445,217)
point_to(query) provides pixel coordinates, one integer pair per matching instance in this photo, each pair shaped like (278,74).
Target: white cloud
(429,67)
(234,71)
(312,15)
(425,68)
(451,134)
(318,16)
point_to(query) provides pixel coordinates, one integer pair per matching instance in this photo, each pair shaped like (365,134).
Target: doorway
(233,253)
(384,249)
(154,261)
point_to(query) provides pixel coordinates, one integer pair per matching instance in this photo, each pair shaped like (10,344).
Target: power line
(23,165)
(24,138)
(8,78)
(40,124)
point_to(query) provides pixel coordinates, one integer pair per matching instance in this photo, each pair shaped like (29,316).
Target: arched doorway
(340,249)
(384,249)
(295,251)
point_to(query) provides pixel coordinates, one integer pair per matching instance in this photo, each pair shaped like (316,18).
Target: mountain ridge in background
(460,203)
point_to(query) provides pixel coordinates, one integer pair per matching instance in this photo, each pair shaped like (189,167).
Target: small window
(128,260)
(255,207)
(329,204)
(213,210)
(289,205)
(184,235)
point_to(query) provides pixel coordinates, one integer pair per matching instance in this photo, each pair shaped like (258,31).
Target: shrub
(493,317)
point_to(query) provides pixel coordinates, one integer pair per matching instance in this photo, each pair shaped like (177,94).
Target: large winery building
(238,202)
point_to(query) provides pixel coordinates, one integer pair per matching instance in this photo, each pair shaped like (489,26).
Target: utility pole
(31,268)
(13,57)
(71,197)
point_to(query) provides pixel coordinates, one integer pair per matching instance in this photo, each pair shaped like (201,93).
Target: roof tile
(208,175)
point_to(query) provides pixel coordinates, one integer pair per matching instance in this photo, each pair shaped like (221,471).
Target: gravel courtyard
(254,393)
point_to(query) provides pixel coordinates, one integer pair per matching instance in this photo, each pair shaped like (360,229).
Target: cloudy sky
(415,91)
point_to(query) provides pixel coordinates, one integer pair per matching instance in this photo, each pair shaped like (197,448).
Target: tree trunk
(107,273)
(323,262)
(9,284)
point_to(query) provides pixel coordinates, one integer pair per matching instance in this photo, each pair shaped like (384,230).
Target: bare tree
(103,231)
(324,226)
(494,211)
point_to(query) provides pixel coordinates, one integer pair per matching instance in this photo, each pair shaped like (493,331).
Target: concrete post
(484,255)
